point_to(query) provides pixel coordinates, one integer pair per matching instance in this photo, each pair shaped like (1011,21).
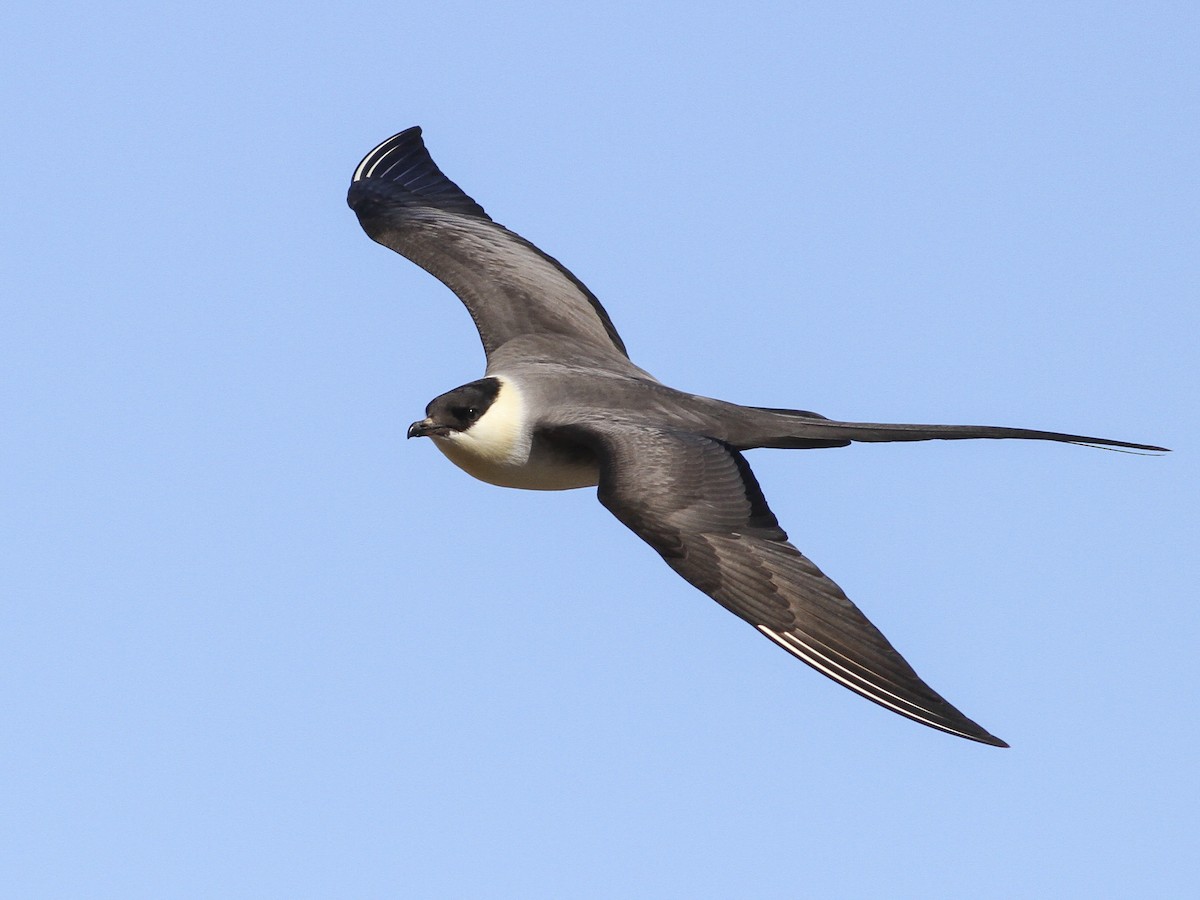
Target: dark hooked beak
(425,428)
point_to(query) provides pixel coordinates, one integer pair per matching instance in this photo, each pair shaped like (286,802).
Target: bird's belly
(542,470)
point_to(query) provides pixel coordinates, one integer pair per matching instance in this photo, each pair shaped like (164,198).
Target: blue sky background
(254,644)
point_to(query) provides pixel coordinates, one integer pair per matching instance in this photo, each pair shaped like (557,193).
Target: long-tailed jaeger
(562,406)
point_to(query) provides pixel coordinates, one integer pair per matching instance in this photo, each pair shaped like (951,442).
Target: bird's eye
(465,412)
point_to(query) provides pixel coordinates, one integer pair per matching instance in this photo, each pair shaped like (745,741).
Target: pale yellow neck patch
(499,449)
(501,437)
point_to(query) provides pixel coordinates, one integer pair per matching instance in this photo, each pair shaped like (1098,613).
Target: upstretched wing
(509,286)
(696,502)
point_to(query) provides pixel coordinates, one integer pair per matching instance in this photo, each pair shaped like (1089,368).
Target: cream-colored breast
(499,449)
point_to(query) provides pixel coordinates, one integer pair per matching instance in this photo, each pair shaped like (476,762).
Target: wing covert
(509,286)
(696,501)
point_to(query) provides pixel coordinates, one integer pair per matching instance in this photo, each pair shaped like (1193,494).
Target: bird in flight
(561,406)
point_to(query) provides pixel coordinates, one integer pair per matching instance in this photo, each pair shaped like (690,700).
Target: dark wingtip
(404,143)
(401,173)
(960,726)
(991,740)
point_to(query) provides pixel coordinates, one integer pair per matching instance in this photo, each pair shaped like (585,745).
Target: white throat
(499,448)
(500,437)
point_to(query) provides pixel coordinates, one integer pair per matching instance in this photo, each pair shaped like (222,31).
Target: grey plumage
(563,406)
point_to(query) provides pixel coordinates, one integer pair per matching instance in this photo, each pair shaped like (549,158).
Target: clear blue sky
(255,644)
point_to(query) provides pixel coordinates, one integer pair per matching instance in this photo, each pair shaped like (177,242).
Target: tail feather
(800,429)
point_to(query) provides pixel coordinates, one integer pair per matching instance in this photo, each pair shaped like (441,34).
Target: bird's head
(454,412)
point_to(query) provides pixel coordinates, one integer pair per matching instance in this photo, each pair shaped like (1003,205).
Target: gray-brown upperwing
(509,286)
(695,501)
